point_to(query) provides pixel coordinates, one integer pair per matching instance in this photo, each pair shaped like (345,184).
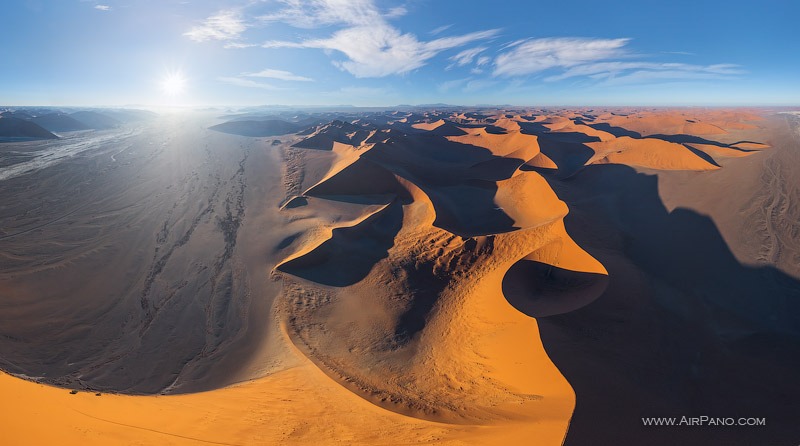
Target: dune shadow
(538,129)
(468,209)
(688,139)
(616,131)
(538,289)
(569,157)
(351,252)
(706,157)
(683,327)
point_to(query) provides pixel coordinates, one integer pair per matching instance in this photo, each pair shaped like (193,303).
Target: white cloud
(644,76)
(597,59)
(372,46)
(279,74)
(382,51)
(467,56)
(102,7)
(614,69)
(533,56)
(316,13)
(479,84)
(398,11)
(453,84)
(282,44)
(239,45)
(224,25)
(440,29)
(239,82)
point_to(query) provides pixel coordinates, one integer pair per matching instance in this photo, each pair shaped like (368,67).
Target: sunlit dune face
(173,84)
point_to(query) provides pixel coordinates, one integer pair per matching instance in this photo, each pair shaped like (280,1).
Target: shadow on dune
(569,157)
(706,157)
(351,253)
(535,128)
(683,328)
(688,139)
(538,289)
(616,131)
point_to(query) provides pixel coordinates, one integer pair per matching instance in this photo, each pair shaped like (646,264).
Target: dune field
(413,276)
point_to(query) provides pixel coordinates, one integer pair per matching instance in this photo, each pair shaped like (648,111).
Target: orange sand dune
(663,123)
(429,125)
(297,405)
(528,200)
(504,144)
(722,151)
(541,160)
(647,152)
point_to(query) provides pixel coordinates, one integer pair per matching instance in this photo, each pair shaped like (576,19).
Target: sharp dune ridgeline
(421,276)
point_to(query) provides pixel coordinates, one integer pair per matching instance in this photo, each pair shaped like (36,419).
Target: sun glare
(173,84)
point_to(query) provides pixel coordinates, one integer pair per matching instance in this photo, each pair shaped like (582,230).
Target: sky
(381,53)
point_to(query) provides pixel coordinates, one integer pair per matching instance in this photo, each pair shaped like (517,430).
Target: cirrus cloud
(224,25)
(600,60)
(536,55)
(279,74)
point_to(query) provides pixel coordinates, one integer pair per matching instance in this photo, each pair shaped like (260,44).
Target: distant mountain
(129,115)
(16,114)
(19,128)
(269,127)
(95,120)
(59,122)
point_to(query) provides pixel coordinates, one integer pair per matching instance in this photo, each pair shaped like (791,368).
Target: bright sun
(173,84)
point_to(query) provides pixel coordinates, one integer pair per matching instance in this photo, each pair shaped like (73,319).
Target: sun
(173,84)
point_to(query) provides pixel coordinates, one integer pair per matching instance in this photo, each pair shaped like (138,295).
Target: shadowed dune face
(538,289)
(551,274)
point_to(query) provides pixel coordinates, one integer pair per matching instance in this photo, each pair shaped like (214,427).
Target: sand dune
(446,276)
(648,152)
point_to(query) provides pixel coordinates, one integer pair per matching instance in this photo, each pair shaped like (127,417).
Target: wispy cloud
(603,61)
(616,69)
(647,76)
(467,56)
(240,82)
(279,74)
(479,84)
(439,30)
(537,55)
(398,11)
(452,84)
(102,7)
(317,13)
(239,45)
(372,47)
(224,25)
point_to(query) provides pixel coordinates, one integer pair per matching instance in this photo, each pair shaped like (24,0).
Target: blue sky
(380,53)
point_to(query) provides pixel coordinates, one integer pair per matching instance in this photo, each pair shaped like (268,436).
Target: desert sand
(476,276)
